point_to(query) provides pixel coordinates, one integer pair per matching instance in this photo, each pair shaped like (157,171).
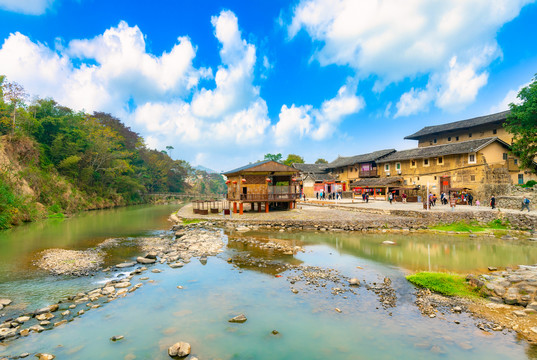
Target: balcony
(273,194)
(368,173)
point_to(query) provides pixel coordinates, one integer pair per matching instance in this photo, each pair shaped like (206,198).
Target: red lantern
(243,180)
(228,181)
(234,182)
(268,180)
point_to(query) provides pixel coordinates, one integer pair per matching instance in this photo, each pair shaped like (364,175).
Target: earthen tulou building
(464,156)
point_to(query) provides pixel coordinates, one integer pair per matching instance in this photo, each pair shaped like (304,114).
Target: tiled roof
(357,159)
(442,150)
(458,125)
(311,168)
(321,177)
(262,166)
(371,182)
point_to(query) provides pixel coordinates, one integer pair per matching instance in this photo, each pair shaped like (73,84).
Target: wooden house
(353,168)
(265,183)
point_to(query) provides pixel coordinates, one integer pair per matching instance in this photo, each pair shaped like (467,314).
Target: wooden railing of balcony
(368,173)
(275,193)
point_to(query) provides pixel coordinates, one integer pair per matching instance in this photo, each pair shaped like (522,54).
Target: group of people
(322,195)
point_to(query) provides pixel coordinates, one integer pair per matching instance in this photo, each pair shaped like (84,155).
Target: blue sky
(225,82)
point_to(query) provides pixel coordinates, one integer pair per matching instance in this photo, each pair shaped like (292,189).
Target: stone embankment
(70,262)
(347,218)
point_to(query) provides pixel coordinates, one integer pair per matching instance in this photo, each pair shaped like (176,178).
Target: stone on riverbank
(45,356)
(44,317)
(5,302)
(354,282)
(143,260)
(125,265)
(180,349)
(117,338)
(48,309)
(388,242)
(238,319)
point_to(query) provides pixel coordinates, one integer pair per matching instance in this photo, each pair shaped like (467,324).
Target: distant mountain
(207,170)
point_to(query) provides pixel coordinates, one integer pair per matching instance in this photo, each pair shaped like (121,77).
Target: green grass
(460,226)
(191,221)
(443,283)
(473,226)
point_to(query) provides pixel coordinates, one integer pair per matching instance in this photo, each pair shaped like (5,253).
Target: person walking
(367,197)
(525,204)
(493,202)
(390,197)
(403,196)
(470,199)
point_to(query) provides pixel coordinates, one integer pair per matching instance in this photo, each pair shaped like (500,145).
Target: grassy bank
(443,283)
(473,226)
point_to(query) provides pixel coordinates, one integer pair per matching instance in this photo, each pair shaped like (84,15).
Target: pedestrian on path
(493,202)
(404,198)
(525,204)
(390,197)
(470,199)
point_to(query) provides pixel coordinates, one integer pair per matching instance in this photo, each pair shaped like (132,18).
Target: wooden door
(445,183)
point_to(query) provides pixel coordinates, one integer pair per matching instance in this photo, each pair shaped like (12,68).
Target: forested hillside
(56,161)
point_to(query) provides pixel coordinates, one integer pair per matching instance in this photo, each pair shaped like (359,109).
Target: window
(471,158)
(449,138)
(505,156)
(494,131)
(387,167)
(413,163)
(425,162)
(435,177)
(472,177)
(418,178)
(520,179)
(470,135)
(434,140)
(398,166)
(516,161)
(440,160)
(457,138)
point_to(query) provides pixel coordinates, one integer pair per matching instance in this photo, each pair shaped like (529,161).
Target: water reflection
(423,251)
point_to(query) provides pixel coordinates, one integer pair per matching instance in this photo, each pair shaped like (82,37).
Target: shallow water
(158,314)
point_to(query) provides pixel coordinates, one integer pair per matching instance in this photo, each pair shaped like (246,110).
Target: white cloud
(510,97)
(412,102)
(396,40)
(28,7)
(319,124)
(113,72)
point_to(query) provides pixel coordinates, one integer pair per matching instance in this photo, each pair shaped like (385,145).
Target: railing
(265,197)
(368,173)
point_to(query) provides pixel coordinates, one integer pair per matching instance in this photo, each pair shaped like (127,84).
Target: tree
(321,161)
(273,157)
(522,124)
(293,159)
(15,94)
(169,148)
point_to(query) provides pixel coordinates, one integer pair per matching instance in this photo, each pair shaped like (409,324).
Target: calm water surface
(159,314)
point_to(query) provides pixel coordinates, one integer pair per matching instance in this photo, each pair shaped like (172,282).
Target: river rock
(44,317)
(7,333)
(48,309)
(23,319)
(125,265)
(520,313)
(176,265)
(36,328)
(151,255)
(457,309)
(66,313)
(354,282)
(45,356)
(156,271)
(24,332)
(60,323)
(388,242)
(180,349)
(238,319)
(243,228)
(117,337)
(107,290)
(122,285)
(532,306)
(24,355)
(5,302)
(143,260)
(493,268)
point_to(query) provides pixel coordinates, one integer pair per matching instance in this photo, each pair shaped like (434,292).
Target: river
(159,314)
